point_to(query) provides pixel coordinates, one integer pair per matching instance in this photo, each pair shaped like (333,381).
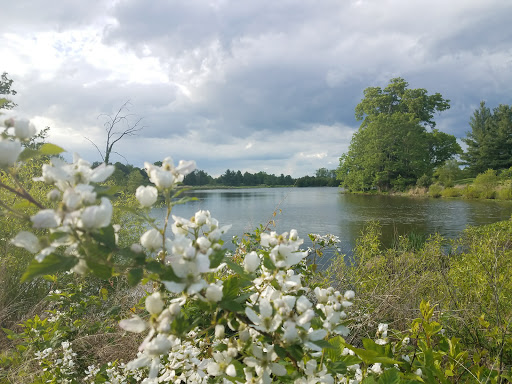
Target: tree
(114,134)
(489,144)
(5,89)
(392,147)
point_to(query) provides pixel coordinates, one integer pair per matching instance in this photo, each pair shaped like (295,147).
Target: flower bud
(23,129)
(219,331)
(146,196)
(137,248)
(152,240)
(53,195)
(46,218)
(251,262)
(9,152)
(214,293)
(154,303)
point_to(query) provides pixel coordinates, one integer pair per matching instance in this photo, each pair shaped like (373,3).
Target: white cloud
(247,85)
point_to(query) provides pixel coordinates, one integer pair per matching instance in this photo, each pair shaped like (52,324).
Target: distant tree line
(131,177)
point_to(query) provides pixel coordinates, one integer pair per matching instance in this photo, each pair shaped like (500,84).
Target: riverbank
(436,191)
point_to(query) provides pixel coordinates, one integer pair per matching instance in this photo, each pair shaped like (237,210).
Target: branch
(92,142)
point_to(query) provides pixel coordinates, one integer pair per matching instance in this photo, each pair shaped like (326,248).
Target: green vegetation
(486,185)
(490,140)
(467,279)
(392,148)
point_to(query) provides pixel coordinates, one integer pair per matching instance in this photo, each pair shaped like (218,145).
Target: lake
(325,210)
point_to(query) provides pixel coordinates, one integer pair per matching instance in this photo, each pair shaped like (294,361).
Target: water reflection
(325,210)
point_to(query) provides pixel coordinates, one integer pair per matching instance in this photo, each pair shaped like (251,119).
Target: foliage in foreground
(203,316)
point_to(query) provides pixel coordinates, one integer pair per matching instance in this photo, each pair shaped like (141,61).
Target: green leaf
(280,351)
(337,367)
(231,287)
(107,191)
(389,376)
(268,263)
(50,149)
(106,236)
(104,294)
(216,258)
(134,276)
(101,270)
(296,352)
(235,267)
(28,153)
(324,344)
(51,264)
(231,305)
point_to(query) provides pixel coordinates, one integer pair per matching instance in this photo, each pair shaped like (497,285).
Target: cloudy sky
(245,84)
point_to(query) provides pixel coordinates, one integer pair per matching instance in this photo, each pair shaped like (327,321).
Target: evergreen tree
(489,144)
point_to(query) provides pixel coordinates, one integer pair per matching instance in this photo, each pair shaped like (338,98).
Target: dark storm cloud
(250,84)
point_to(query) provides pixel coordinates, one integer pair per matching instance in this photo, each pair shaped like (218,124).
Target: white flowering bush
(208,317)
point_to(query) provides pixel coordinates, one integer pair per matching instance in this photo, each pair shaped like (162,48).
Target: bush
(470,192)
(487,180)
(505,192)
(451,192)
(435,190)
(424,181)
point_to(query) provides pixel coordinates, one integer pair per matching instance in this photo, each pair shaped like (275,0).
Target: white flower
(201,217)
(152,240)
(46,218)
(9,152)
(158,346)
(251,262)
(146,196)
(27,240)
(137,248)
(186,167)
(24,129)
(303,304)
(376,368)
(349,295)
(265,321)
(135,324)
(97,216)
(213,293)
(154,303)
(101,173)
(219,331)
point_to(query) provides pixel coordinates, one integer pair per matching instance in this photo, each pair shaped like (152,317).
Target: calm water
(325,210)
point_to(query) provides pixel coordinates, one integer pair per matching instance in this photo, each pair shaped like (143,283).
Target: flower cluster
(59,361)
(79,210)
(10,143)
(275,306)
(208,318)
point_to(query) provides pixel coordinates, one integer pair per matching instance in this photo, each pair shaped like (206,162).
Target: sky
(250,85)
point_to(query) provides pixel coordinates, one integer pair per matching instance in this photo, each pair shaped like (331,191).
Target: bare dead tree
(116,127)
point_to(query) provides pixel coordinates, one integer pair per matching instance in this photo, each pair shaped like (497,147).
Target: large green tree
(393,147)
(489,144)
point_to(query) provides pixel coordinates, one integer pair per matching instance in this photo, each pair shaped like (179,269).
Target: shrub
(424,181)
(505,192)
(435,190)
(451,192)
(470,192)
(487,180)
